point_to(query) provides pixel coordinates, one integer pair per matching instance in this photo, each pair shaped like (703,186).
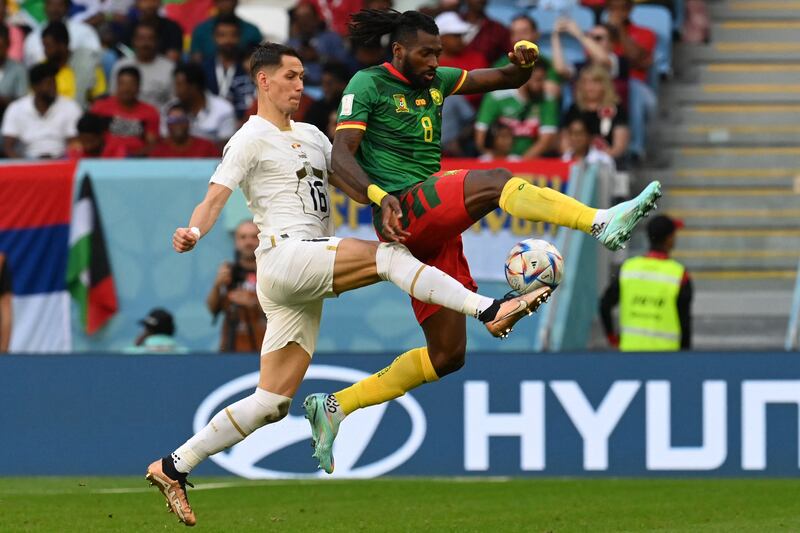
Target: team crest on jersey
(436,96)
(298,147)
(400,103)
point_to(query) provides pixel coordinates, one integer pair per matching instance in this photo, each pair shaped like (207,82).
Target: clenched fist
(184,240)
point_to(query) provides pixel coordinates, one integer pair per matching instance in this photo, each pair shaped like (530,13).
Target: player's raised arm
(203,218)
(511,76)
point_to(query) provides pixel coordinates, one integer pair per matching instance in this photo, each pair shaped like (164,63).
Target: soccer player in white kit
(283,169)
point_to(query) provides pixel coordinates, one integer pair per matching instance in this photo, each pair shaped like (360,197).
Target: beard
(417,81)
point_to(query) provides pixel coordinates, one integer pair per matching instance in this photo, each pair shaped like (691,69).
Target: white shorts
(293,279)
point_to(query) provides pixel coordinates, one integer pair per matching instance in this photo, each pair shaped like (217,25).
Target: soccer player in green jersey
(388,135)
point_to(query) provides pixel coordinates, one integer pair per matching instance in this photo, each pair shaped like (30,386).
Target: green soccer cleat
(624,217)
(320,410)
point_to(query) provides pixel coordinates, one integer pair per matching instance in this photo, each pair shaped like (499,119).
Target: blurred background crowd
(136,78)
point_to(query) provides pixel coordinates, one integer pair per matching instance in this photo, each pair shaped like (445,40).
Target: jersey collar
(394,72)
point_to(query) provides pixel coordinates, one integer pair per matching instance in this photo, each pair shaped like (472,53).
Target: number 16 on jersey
(312,185)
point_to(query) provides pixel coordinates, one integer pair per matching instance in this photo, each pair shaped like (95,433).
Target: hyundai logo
(243,458)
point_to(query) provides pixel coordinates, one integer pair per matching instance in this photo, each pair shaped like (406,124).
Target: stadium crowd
(119,79)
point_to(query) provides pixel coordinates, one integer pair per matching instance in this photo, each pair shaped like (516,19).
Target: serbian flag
(88,271)
(34,236)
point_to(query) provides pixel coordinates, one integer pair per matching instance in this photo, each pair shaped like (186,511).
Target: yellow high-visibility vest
(648,294)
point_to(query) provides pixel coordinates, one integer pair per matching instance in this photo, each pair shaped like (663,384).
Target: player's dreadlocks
(369,25)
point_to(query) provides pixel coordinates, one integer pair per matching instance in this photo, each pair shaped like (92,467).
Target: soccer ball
(533,263)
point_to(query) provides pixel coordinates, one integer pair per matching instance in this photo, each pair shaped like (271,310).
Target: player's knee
(275,409)
(492,183)
(449,360)
(387,256)
(499,175)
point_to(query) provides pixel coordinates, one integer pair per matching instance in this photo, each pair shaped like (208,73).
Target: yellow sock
(524,200)
(408,371)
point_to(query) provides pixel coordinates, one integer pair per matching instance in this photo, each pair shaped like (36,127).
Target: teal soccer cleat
(320,413)
(624,217)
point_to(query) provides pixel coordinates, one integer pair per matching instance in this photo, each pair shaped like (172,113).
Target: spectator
(524,28)
(133,122)
(81,35)
(490,37)
(580,145)
(39,125)
(597,102)
(499,144)
(582,150)
(315,43)
(531,115)
(93,140)
(455,52)
(203,35)
(599,46)
(16,37)
(211,117)
(79,76)
(157,335)
(169,35)
(225,73)
(234,294)
(156,69)
(654,293)
(458,119)
(334,79)
(637,45)
(6,311)
(13,78)
(178,142)
(113,49)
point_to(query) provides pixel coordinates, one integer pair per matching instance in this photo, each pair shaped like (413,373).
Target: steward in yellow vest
(654,293)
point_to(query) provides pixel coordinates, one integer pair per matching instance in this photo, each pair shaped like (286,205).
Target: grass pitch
(499,506)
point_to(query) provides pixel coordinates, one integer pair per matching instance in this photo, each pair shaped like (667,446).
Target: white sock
(426,283)
(601,218)
(231,425)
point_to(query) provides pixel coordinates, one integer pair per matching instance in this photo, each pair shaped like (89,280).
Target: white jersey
(284,178)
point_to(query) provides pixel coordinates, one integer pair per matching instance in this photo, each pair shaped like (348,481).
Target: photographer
(234,295)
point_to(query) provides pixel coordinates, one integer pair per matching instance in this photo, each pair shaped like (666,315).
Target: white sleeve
(11,124)
(237,162)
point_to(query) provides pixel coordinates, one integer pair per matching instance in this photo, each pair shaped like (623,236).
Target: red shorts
(435,215)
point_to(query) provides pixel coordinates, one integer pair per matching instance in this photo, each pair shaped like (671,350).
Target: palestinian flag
(89,277)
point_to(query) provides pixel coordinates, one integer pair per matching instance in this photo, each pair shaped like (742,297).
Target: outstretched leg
(484,191)
(280,374)
(360,263)
(446,337)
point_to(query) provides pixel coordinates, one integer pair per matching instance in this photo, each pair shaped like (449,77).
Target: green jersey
(402,125)
(527,119)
